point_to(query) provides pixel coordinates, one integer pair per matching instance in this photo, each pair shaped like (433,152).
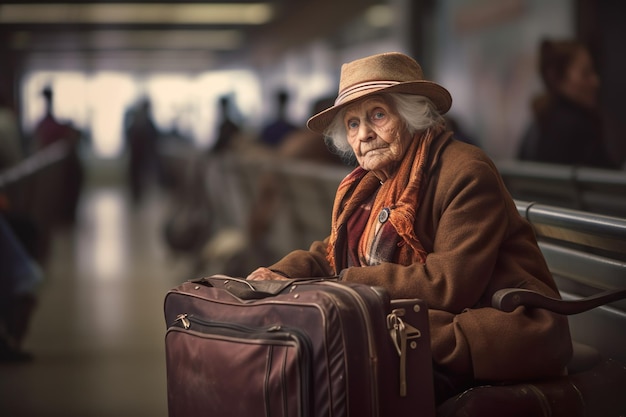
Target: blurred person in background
(50,131)
(227,130)
(304,144)
(20,277)
(567,125)
(426,216)
(11,151)
(274,133)
(142,140)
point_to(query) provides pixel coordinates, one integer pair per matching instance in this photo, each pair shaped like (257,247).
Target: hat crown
(392,66)
(390,72)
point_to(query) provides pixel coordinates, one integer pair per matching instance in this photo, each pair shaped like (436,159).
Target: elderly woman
(429,217)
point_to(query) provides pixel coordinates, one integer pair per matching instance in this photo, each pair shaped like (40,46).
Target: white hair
(417,112)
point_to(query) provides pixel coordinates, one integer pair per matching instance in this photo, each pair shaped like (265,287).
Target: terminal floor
(98,333)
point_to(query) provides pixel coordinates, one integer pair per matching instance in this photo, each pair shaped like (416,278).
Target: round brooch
(383,216)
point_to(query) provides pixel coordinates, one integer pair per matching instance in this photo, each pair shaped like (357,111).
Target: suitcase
(295,348)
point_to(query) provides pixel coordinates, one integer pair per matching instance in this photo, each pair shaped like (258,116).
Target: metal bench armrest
(509,299)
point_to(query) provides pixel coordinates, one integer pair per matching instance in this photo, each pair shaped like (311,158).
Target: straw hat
(391,72)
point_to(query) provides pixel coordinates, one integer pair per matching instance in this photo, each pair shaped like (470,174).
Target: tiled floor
(98,332)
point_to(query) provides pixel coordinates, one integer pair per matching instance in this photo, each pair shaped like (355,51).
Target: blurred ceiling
(170,35)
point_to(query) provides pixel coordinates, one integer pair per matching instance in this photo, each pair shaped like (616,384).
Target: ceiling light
(131,39)
(138,13)
(379,16)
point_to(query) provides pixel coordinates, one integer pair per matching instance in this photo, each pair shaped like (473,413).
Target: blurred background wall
(101,58)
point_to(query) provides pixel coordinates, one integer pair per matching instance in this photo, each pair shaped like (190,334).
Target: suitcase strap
(254,290)
(400,333)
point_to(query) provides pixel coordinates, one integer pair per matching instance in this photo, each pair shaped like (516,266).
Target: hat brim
(440,97)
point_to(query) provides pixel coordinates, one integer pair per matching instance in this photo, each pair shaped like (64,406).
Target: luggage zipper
(186,320)
(183,320)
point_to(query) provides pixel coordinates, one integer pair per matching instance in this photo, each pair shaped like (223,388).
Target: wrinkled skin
(377,135)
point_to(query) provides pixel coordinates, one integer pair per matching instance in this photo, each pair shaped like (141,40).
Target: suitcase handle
(254,290)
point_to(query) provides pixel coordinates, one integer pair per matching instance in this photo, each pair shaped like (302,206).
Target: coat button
(383,216)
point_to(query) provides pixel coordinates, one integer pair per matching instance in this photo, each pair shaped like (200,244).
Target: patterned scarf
(386,233)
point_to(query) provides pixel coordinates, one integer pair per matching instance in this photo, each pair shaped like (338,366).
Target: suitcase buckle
(401,332)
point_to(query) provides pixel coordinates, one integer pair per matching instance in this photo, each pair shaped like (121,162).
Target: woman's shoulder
(457,153)
(464,170)
(459,165)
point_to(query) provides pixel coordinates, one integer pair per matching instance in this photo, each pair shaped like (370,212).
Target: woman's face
(581,82)
(376,134)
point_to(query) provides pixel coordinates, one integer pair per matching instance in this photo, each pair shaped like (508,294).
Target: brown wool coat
(477,243)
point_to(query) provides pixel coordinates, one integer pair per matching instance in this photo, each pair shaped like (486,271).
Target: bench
(587,189)
(586,254)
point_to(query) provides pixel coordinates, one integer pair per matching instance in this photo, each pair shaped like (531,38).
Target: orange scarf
(390,236)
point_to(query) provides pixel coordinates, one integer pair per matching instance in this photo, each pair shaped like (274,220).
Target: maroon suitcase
(295,348)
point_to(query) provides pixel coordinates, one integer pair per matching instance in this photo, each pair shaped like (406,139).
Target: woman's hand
(264,274)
